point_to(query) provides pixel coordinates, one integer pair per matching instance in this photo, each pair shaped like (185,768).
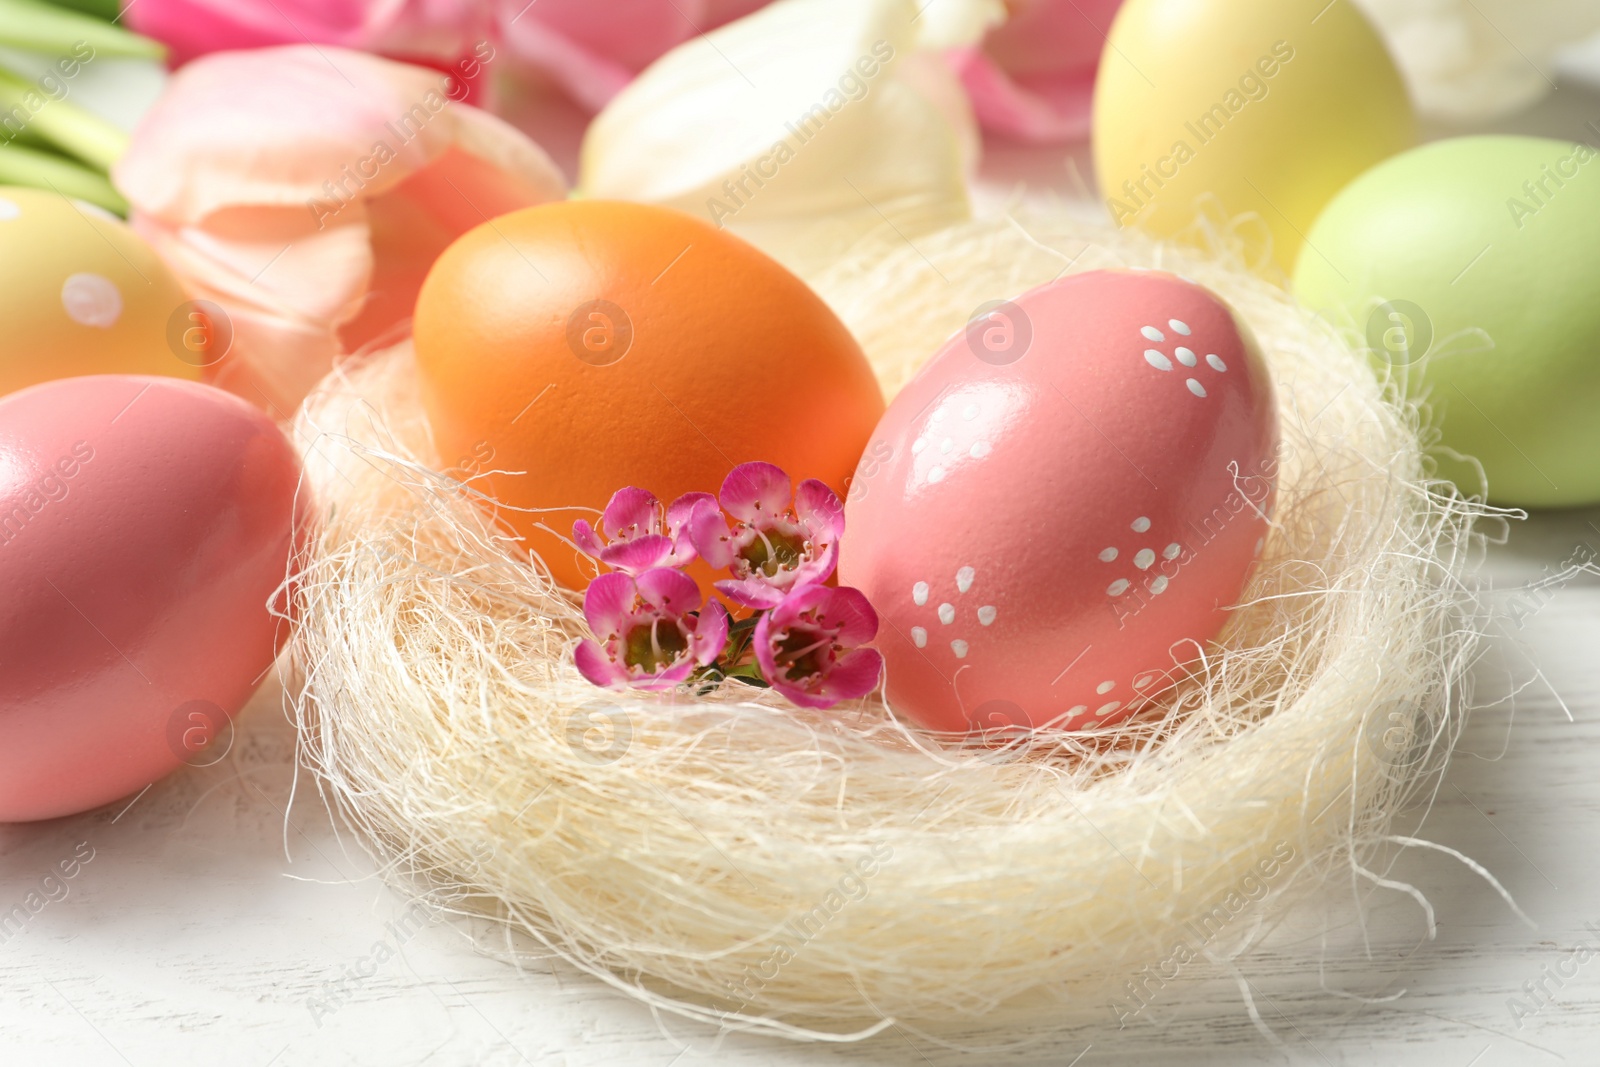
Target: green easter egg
(1472,268)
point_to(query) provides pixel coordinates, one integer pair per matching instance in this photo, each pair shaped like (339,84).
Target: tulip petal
(1471,60)
(823,100)
(1042,109)
(441,29)
(307,191)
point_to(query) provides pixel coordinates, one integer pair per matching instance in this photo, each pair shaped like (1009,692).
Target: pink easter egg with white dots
(1058,513)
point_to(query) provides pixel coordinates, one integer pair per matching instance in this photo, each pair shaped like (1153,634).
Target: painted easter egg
(81,293)
(572,349)
(1250,110)
(1057,512)
(145,524)
(1469,267)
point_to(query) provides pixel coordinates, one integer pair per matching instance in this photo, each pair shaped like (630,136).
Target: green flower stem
(107,10)
(43,170)
(64,124)
(26,136)
(34,26)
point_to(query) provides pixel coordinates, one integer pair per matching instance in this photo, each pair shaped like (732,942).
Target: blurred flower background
(259,176)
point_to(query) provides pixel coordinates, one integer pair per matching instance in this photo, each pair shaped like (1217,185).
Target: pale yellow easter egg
(81,293)
(1249,113)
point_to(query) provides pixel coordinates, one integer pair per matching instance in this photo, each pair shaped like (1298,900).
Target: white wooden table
(220,918)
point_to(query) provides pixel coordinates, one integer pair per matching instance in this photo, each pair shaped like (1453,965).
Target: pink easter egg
(1056,514)
(145,524)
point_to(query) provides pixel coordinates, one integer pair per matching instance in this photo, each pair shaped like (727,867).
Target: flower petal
(1044,109)
(888,162)
(800,600)
(307,191)
(679,511)
(710,633)
(585,538)
(767,628)
(814,571)
(670,678)
(608,603)
(670,592)
(709,534)
(751,593)
(756,491)
(819,508)
(597,667)
(639,554)
(795,695)
(855,675)
(632,512)
(848,612)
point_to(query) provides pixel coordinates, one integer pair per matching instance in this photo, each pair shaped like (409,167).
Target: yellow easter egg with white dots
(1241,119)
(81,293)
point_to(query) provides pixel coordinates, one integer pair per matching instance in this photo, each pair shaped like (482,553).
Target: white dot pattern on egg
(1182,353)
(947,612)
(1143,558)
(1077,527)
(957,430)
(92,300)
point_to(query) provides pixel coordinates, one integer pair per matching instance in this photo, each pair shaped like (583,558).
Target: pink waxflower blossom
(808,650)
(781,539)
(647,634)
(1032,77)
(640,536)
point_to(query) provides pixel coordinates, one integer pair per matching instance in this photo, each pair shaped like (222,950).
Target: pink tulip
(591,50)
(420,29)
(588,48)
(307,190)
(1032,77)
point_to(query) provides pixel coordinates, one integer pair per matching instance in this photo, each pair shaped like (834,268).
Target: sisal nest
(818,874)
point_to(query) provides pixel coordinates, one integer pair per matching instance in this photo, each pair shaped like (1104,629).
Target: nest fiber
(736,859)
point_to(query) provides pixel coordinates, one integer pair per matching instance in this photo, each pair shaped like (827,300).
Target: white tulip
(1474,59)
(807,128)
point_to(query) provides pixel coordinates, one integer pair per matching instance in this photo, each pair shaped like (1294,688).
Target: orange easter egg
(81,293)
(570,349)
